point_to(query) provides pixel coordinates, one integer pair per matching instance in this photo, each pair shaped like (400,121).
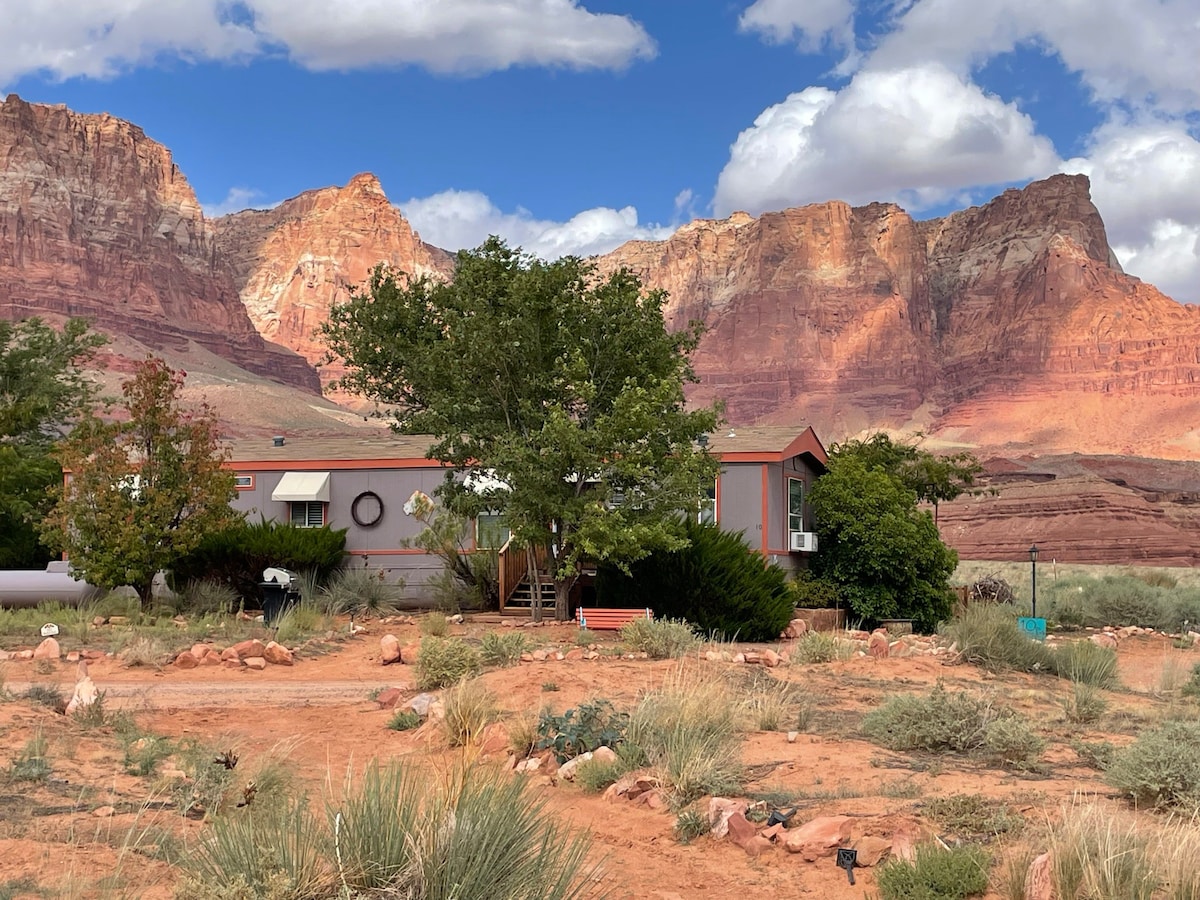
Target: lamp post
(1033,555)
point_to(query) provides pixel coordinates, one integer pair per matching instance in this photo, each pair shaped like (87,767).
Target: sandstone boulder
(389,649)
(819,837)
(48,649)
(278,655)
(251,648)
(254,662)
(185,660)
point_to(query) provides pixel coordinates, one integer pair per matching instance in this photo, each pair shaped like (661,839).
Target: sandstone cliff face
(293,262)
(96,220)
(856,318)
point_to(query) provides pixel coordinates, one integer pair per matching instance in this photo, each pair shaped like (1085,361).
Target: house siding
(741,501)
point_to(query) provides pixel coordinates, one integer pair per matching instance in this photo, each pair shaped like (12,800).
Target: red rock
(720,809)
(234,663)
(48,649)
(230,653)
(774,832)
(201,650)
(576,653)
(185,660)
(871,849)
(73,656)
(410,653)
(152,273)
(103,812)
(757,846)
(877,645)
(388,698)
(1039,884)
(904,842)
(740,829)
(93,654)
(252,647)
(493,739)
(1104,639)
(277,654)
(254,662)
(211,658)
(23,654)
(820,837)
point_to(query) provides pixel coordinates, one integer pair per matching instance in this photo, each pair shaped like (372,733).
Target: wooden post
(535,584)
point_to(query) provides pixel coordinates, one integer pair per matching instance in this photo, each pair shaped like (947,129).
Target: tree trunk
(535,584)
(562,598)
(145,594)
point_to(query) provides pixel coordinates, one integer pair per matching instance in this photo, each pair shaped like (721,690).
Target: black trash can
(276,599)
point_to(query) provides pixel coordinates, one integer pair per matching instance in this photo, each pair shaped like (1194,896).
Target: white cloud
(452,35)
(237,199)
(1144,176)
(1138,53)
(99,38)
(457,219)
(918,136)
(811,23)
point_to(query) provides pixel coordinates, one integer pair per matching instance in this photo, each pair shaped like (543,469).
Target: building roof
(765,443)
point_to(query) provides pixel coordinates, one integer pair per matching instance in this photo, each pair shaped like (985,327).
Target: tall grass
(502,650)
(470,707)
(1095,853)
(660,638)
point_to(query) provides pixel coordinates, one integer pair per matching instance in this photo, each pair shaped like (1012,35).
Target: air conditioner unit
(803,542)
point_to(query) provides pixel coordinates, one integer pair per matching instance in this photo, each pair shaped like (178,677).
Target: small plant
(404,720)
(768,703)
(501,650)
(690,825)
(470,707)
(33,762)
(361,592)
(585,637)
(299,622)
(549,687)
(445,661)
(523,733)
(1084,704)
(143,753)
(1191,687)
(973,816)
(1095,853)
(1094,754)
(200,794)
(937,873)
(435,624)
(1086,663)
(47,695)
(206,596)
(1161,768)
(595,775)
(576,731)
(818,647)
(660,638)
(94,715)
(45,667)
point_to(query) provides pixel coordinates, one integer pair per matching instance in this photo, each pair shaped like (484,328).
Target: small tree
(143,490)
(42,389)
(885,555)
(564,390)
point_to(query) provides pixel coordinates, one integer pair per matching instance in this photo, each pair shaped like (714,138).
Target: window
(307,513)
(795,499)
(707,514)
(490,531)
(243,482)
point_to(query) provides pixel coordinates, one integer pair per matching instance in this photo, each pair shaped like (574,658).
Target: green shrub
(434,624)
(1191,687)
(445,661)
(818,647)
(1161,768)
(988,636)
(810,592)
(972,816)
(717,583)
(205,596)
(1094,754)
(1086,663)
(502,650)
(237,555)
(952,722)
(33,762)
(591,725)
(660,638)
(359,591)
(470,707)
(595,775)
(277,851)
(689,825)
(937,873)
(404,720)
(1084,704)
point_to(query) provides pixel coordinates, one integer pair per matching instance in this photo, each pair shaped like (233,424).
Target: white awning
(301,486)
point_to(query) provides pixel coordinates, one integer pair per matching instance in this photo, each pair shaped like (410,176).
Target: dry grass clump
(771,704)
(503,650)
(445,661)
(819,647)
(687,731)
(659,638)
(435,624)
(974,816)
(1096,853)
(470,707)
(1084,704)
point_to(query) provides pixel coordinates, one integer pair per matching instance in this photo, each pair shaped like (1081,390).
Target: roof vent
(277,440)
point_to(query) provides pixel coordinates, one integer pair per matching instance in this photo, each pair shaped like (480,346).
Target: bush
(771,704)
(716,583)
(973,816)
(1161,768)
(1145,599)
(952,722)
(988,636)
(236,556)
(1084,704)
(937,873)
(205,596)
(1191,687)
(470,707)
(687,731)
(1086,663)
(502,650)
(404,720)
(660,638)
(818,647)
(810,592)
(576,731)
(595,775)
(434,624)
(689,825)
(359,591)
(468,836)
(445,661)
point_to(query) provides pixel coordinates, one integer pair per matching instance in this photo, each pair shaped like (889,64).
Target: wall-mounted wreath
(367,509)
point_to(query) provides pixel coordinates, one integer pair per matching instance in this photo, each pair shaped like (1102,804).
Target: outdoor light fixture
(702,440)
(1033,555)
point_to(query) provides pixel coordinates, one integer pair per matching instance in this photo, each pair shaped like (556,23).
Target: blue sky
(572,125)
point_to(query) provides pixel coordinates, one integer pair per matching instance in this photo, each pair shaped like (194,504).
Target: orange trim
(402,551)
(806,442)
(247,487)
(766,509)
(306,465)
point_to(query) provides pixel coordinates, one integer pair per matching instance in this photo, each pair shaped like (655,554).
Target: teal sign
(1035,628)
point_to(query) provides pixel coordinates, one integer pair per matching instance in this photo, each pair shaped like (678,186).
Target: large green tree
(144,488)
(42,389)
(884,554)
(564,389)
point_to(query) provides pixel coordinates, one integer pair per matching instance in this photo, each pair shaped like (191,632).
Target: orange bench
(599,619)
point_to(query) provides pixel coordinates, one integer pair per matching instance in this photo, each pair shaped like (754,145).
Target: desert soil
(318,714)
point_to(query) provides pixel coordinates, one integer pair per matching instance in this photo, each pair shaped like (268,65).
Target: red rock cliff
(295,261)
(96,220)
(1009,324)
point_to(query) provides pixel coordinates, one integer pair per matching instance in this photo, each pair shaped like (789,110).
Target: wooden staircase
(516,592)
(520,603)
